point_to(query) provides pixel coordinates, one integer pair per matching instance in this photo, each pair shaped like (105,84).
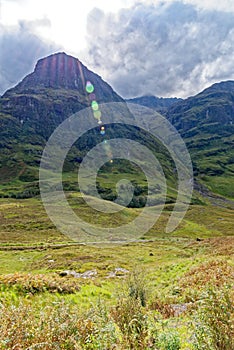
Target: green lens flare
(94,105)
(89,87)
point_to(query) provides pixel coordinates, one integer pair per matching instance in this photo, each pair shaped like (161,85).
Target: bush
(168,341)
(27,325)
(214,325)
(129,315)
(29,283)
(137,286)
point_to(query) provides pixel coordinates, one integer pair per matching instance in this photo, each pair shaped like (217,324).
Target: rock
(118,272)
(180,308)
(86,274)
(63,273)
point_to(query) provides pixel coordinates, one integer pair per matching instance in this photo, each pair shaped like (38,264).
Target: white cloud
(165,49)
(161,47)
(20,48)
(27,29)
(67,18)
(224,5)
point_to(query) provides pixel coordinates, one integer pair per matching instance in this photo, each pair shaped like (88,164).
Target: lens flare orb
(94,106)
(89,87)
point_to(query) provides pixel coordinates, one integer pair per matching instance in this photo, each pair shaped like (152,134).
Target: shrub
(27,325)
(137,286)
(29,283)
(214,325)
(165,309)
(168,341)
(217,273)
(128,314)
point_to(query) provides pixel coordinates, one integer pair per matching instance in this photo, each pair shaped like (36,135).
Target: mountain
(159,104)
(214,105)
(206,122)
(55,90)
(59,86)
(31,111)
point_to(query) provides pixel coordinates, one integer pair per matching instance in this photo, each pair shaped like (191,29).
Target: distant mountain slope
(159,104)
(206,122)
(213,105)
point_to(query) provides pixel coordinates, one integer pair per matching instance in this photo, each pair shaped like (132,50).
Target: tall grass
(28,321)
(214,325)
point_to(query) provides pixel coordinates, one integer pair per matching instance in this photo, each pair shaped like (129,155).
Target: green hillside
(206,122)
(59,87)
(158,290)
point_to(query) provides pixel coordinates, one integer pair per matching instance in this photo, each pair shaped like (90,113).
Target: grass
(154,303)
(26,222)
(223,185)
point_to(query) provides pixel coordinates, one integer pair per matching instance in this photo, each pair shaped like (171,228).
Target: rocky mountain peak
(56,71)
(59,72)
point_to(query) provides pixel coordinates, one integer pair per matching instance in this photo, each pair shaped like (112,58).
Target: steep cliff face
(61,71)
(55,90)
(31,111)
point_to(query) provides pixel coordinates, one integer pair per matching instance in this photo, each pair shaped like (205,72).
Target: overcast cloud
(172,49)
(169,48)
(20,48)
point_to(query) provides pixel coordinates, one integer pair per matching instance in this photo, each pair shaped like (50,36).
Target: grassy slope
(165,261)
(205,122)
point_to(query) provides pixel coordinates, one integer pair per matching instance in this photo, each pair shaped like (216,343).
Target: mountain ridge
(206,123)
(56,89)
(60,70)
(59,87)
(30,111)
(53,91)
(159,104)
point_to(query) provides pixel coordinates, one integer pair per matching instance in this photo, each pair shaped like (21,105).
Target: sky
(163,48)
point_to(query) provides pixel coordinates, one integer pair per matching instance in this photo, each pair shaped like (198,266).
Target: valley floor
(163,292)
